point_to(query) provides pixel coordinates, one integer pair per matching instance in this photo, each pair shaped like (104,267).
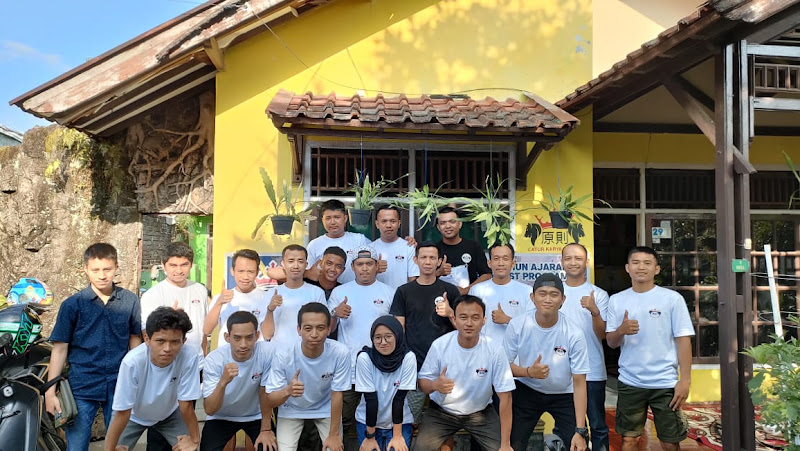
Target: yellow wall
(410,46)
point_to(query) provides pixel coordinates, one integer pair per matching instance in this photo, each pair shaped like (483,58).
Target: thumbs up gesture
(225,296)
(628,326)
(538,370)
(343,310)
(499,316)
(444,268)
(230,371)
(588,303)
(382,264)
(176,305)
(315,271)
(276,301)
(295,387)
(443,307)
(442,384)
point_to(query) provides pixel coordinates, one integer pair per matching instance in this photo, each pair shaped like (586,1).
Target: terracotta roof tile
(447,113)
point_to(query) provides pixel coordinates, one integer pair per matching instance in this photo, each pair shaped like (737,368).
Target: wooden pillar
(732,129)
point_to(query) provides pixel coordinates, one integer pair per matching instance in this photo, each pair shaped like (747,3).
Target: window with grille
(619,187)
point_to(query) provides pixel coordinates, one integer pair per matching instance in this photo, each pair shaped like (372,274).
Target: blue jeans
(383,436)
(596,411)
(79,432)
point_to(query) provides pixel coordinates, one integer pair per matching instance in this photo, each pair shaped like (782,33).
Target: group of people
(372,339)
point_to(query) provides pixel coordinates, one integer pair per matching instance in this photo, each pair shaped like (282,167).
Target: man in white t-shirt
(459,372)
(653,327)
(511,298)
(307,380)
(233,397)
(587,307)
(548,356)
(395,253)
(333,215)
(178,292)
(280,324)
(355,306)
(157,385)
(244,296)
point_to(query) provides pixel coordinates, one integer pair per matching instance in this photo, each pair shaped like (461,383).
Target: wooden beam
(782,51)
(526,160)
(776,104)
(774,26)
(212,49)
(425,135)
(681,129)
(692,106)
(296,145)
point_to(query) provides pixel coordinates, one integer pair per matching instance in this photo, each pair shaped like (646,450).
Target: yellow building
(636,146)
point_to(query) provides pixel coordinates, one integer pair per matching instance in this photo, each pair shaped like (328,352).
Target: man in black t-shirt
(463,261)
(424,307)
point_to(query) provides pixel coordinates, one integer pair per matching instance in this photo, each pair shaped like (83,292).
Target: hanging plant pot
(282,225)
(557,219)
(359,217)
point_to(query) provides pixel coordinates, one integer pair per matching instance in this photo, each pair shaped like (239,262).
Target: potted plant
(565,210)
(366,192)
(426,203)
(776,386)
(490,212)
(285,205)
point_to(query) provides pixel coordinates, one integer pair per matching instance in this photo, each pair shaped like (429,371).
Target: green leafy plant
(366,191)
(796,194)
(569,207)
(490,211)
(284,202)
(776,386)
(426,203)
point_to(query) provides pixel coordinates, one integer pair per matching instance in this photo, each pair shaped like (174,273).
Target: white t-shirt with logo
(192,299)
(348,242)
(285,316)
(649,358)
(256,302)
(152,393)
(328,372)
(562,347)
(367,303)
(370,379)
(399,258)
(583,319)
(459,275)
(514,297)
(474,372)
(240,402)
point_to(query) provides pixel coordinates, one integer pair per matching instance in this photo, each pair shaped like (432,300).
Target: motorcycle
(24,361)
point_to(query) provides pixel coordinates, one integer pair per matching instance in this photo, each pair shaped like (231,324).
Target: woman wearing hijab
(385,372)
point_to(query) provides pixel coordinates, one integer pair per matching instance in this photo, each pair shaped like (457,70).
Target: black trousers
(436,426)
(217,433)
(528,406)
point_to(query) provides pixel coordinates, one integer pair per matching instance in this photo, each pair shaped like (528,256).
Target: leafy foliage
(776,387)
(424,201)
(367,192)
(570,208)
(489,210)
(284,202)
(796,194)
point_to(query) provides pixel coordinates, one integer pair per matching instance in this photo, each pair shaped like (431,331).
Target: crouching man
(157,384)
(233,397)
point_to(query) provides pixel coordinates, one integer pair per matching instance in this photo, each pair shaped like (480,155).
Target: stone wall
(157,233)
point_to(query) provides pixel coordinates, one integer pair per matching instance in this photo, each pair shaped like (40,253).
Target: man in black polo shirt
(463,261)
(94,329)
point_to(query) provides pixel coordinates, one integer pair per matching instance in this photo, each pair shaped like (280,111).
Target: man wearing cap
(355,306)
(549,358)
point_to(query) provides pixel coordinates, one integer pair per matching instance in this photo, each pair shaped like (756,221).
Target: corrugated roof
(532,117)
(13,134)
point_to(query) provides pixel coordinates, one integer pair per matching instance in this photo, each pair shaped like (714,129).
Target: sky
(42,39)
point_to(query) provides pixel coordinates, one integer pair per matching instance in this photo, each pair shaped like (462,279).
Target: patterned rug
(705,426)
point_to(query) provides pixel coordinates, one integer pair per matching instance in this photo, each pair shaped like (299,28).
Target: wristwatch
(584,432)
(368,435)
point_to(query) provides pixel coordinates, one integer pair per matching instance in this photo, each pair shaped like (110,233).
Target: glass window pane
(709,341)
(762,234)
(707,269)
(788,301)
(707,235)
(764,334)
(763,305)
(786,270)
(684,270)
(760,269)
(708,306)
(689,298)
(683,235)
(664,277)
(784,235)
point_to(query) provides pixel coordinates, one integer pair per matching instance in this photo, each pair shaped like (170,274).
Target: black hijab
(388,363)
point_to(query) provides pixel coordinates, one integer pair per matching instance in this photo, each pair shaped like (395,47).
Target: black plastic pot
(359,217)
(282,225)
(558,221)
